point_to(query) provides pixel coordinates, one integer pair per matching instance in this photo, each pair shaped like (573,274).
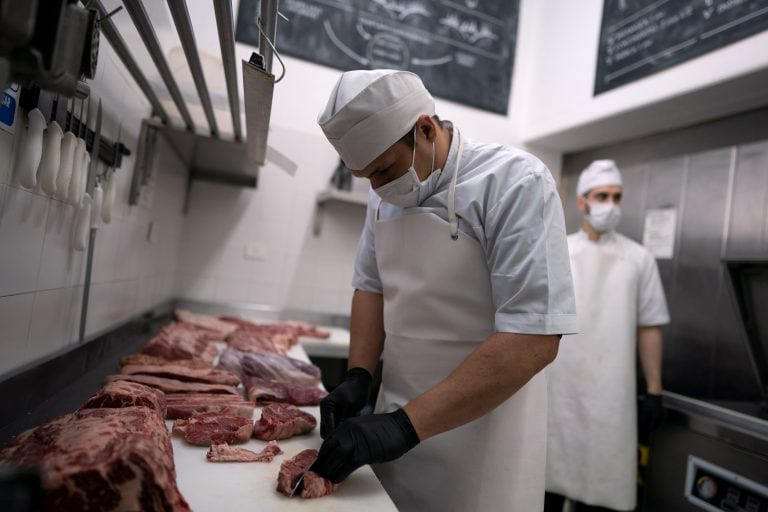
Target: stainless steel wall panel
(633,200)
(747,234)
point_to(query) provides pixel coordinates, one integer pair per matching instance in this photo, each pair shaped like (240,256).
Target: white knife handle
(51,160)
(77,175)
(29,160)
(98,198)
(68,145)
(109,198)
(83,224)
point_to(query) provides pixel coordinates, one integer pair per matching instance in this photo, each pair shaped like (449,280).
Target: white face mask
(604,216)
(407,190)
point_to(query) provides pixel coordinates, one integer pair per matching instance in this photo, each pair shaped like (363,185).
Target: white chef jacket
(506,199)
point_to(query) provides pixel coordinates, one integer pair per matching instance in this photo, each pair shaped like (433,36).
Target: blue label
(7,109)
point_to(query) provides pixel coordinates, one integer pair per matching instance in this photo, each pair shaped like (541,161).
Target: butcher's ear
(581,202)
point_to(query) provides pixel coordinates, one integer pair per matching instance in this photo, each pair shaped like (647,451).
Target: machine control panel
(713,488)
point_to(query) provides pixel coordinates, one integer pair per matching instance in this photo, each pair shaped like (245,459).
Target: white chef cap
(368,111)
(599,173)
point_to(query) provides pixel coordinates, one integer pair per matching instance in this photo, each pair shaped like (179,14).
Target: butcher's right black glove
(345,401)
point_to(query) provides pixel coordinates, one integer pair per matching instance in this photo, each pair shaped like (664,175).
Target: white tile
(196,286)
(22,231)
(53,317)
(15,313)
(101,307)
(6,151)
(60,264)
(267,294)
(232,290)
(105,251)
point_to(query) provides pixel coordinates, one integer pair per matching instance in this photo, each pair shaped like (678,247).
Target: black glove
(365,440)
(650,416)
(345,401)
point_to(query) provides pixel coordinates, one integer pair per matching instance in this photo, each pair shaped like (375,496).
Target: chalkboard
(639,38)
(462,49)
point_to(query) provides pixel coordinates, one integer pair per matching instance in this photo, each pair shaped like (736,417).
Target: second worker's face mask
(604,216)
(408,190)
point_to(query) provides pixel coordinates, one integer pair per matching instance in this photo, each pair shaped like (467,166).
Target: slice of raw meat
(127,394)
(175,386)
(282,421)
(225,453)
(182,373)
(246,341)
(185,405)
(313,486)
(264,391)
(115,459)
(158,361)
(208,428)
(219,329)
(177,341)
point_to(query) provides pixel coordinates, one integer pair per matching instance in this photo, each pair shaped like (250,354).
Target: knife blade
(301,479)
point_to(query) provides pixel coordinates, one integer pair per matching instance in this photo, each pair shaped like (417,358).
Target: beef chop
(282,421)
(313,485)
(208,428)
(127,394)
(225,453)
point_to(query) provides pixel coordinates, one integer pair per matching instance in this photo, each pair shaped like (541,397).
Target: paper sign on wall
(8,103)
(659,232)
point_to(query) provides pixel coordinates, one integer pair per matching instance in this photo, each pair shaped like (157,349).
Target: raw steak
(262,390)
(204,429)
(184,374)
(225,453)
(185,405)
(102,460)
(175,386)
(313,486)
(246,341)
(158,361)
(282,421)
(127,394)
(218,329)
(177,341)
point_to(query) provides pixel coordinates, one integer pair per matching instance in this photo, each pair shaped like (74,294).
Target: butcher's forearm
(492,373)
(650,348)
(366,330)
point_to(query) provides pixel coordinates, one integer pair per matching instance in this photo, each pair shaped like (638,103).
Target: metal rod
(141,21)
(225,23)
(183,24)
(268,23)
(118,44)
(87,284)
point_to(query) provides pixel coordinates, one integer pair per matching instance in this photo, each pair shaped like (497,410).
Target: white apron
(438,309)
(592,439)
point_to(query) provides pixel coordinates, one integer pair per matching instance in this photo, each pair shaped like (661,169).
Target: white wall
(564,58)
(41,276)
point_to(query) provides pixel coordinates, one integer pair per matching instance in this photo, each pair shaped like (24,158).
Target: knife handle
(68,145)
(83,224)
(29,160)
(51,160)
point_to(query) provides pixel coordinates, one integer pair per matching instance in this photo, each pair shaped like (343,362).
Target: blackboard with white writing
(641,37)
(462,49)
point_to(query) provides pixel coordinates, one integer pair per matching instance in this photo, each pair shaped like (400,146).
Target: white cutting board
(236,486)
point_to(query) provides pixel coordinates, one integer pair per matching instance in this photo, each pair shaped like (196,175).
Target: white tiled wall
(41,276)
(299,270)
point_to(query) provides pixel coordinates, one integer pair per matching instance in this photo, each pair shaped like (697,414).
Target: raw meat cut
(218,329)
(291,327)
(158,361)
(175,386)
(263,390)
(169,371)
(204,429)
(225,453)
(127,394)
(246,341)
(282,421)
(185,405)
(102,460)
(270,366)
(313,486)
(177,341)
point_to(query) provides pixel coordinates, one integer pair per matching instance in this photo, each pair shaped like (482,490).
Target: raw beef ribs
(262,390)
(313,486)
(246,341)
(127,394)
(185,405)
(282,421)
(204,429)
(169,371)
(217,329)
(102,460)
(225,453)
(176,386)
(159,361)
(177,341)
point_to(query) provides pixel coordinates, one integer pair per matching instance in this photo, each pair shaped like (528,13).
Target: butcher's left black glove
(345,401)
(650,416)
(365,440)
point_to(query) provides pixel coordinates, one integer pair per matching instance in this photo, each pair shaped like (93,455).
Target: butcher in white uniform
(593,421)
(463,287)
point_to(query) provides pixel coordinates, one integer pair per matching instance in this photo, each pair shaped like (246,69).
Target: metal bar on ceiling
(141,21)
(118,44)
(268,24)
(225,23)
(183,24)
